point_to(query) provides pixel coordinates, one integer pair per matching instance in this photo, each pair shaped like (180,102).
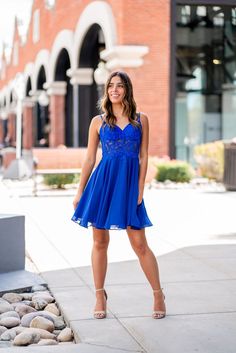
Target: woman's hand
(140,197)
(76,199)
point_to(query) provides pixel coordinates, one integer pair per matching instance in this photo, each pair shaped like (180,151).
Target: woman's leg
(148,263)
(99,263)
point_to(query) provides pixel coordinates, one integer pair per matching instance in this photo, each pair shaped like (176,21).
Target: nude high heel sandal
(101,314)
(158,314)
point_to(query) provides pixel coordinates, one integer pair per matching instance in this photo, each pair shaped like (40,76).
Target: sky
(8,10)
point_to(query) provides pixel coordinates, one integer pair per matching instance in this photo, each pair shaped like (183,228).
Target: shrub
(59,180)
(177,171)
(210,159)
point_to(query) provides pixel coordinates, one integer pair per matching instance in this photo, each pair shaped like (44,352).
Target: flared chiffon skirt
(109,200)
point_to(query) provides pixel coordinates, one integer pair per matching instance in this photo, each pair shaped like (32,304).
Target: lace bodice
(117,142)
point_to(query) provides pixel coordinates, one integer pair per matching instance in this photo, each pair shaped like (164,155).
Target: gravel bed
(32,318)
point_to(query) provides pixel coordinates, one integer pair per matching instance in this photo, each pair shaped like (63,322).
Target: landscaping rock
(9,322)
(10,314)
(26,319)
(27,296)
(45,296)
(8,335)
(12,297)
(26,338)
(41,322)
(24,309)
(31,319)
(39,303)
(2,329)
(52,308)
(65,335)
(47,342)
(5,306)
(43,333)
(27,302)
(59,323)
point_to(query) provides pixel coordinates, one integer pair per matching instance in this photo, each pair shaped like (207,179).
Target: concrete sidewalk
(195,243)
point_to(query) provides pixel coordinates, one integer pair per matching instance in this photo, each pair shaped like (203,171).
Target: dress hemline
(88,224)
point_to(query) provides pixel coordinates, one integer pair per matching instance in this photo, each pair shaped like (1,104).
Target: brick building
(180,55)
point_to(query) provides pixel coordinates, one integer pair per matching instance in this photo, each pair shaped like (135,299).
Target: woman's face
(116,90)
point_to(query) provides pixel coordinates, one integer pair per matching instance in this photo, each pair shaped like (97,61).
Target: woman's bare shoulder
(143,118)
(96,121)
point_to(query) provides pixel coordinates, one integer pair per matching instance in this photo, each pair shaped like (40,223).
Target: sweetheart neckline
(123,128)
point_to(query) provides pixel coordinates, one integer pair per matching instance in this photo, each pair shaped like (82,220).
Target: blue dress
(109,200)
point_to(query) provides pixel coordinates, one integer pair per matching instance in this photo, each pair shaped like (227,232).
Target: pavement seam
(113,347)
(129,333)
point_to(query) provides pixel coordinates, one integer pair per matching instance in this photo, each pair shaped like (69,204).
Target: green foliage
(60,180)
(210,160)
(177,171)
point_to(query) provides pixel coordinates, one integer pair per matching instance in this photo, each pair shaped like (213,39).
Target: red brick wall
(148,22)
(139,22)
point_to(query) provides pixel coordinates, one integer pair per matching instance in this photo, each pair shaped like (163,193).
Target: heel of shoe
(101,314)
(159,314)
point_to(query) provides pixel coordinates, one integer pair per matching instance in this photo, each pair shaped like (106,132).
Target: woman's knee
(140,248)
(101,244)
(101,241)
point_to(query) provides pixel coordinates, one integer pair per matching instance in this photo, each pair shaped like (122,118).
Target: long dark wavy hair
(129,105)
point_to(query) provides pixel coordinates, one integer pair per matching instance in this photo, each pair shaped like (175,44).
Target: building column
(83,76)
(1,132)
(11,135)
(57,91)
(28,105)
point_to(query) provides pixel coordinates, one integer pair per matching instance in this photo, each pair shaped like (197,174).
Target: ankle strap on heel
(157,290)
(98,290)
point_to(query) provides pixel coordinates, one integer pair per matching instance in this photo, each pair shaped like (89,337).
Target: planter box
(12,240)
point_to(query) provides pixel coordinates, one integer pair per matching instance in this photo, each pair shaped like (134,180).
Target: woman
(112,198)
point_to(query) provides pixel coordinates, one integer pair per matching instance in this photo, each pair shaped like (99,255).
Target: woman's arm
(90,159)
(143,155)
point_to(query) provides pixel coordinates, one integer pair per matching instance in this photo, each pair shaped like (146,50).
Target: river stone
(47,342)
(19,329)
(38,288)
(52,308)
(26,338)
(8,335)
(12,297)
(43,333)
(65,335)
(27,296)
(2,329)
(59,323)
(41,322)
(24,309)
(9,322)
(26,319)
(9,314)
(56,332)
(39,303)
(47,297)
(27,302)
(5,306)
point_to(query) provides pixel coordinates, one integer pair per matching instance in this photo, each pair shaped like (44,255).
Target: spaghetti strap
(139,119)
